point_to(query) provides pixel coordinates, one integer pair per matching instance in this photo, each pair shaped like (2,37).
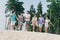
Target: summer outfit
(13,19)
(40,21)
(27,18)
(20,21)
(47,22)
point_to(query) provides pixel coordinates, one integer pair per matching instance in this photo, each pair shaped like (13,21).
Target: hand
(17,19)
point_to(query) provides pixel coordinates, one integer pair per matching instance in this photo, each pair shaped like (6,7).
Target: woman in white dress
(47,21)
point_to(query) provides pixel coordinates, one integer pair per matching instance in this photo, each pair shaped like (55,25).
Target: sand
(19,35)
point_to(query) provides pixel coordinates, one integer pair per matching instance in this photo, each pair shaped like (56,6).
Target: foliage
(14,5)
(39,9)
(54,13)
(32,11)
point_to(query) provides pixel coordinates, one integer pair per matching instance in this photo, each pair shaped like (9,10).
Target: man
(13,19)
(27,19)
(40,22)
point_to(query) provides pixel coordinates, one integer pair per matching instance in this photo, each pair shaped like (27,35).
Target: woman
(13,19)
(20,21)
(47,21)
(34,22)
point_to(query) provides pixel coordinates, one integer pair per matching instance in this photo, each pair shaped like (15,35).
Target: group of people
(25,20)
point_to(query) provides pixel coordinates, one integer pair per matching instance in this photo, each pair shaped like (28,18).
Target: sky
(26,5)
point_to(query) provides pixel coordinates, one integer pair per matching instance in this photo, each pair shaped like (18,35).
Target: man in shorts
(27,19)
(40,22)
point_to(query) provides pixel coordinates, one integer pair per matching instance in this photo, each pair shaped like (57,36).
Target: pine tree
(32,11)
(39,9)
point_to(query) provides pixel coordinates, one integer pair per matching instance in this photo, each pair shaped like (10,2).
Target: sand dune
(18,35)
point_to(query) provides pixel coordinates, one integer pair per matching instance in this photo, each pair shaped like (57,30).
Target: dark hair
(13,11)
(47,16)
(19,13)
(27,11)
(41,15)
(34,14)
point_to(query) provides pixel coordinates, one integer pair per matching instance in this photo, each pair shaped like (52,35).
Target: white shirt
(27,17)
(47,21)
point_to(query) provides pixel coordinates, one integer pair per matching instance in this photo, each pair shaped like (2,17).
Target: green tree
(14,5)
(32,10)
(54,13)
(45,14)
(39,9)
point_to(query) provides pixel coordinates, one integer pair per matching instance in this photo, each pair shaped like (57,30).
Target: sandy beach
(19,35)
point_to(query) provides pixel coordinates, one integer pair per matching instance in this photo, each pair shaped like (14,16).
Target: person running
(13,19)
(34,22)
(40,22)
(27,19)
(20,20)
(47,21)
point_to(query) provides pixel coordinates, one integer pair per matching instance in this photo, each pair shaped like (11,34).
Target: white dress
(47,22)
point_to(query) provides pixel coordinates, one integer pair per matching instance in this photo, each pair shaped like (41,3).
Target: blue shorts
(40,25)
(13,22)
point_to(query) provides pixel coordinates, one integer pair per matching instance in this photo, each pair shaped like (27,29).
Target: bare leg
(19,26)
(40,29)
(13,27)
(26,27)
(33,27)
(46,29)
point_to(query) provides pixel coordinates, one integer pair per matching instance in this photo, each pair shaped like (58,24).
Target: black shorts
(27,22)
